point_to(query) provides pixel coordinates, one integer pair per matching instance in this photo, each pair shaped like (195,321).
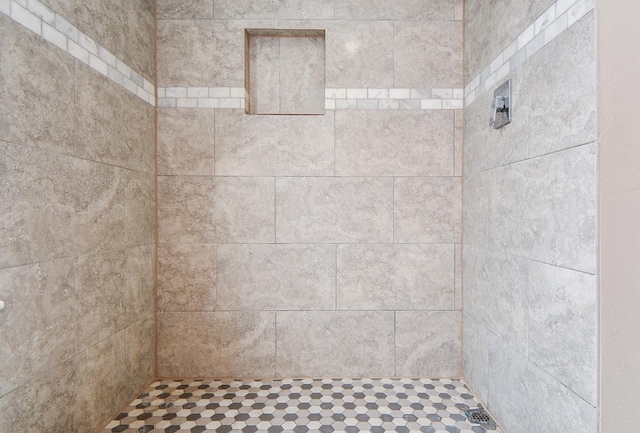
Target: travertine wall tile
(222,344)
(427,210)
(173,9)
(276,277)
(122,137)
(429,344)
(397,10)
(36,91)
(302,75)
(264,75)
(394,143)
(140,208)
(313,343)
(332,210)
(395,277)
(200,209)
(187,277)
(186,141)
(140,351)
(274,9)
(273,145)
(428,54)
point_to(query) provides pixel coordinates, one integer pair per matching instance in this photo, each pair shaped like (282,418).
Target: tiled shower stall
(290,189)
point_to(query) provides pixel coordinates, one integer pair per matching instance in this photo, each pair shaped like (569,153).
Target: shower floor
(300,405)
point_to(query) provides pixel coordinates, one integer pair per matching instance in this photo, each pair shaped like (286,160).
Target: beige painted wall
(619,212)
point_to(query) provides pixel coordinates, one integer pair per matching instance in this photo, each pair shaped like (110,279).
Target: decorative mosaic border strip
(559,17)
(41,20)
(335,99)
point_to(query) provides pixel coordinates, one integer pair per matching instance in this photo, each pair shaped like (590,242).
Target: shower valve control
(501,106)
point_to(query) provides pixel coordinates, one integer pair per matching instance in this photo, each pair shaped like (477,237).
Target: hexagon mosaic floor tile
(301,405)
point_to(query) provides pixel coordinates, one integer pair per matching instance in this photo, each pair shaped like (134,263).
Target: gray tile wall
(311,245)
(77,248)
(529,253)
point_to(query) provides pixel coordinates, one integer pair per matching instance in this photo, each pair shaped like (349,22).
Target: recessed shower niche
(285,71)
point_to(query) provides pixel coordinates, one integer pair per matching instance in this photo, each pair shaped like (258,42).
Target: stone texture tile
(477,190)
(394,143)
(477,340)
(359,54)
(104,21)
(525,408)
(427,210)
(140,351)
(396,10)
(102,383)
(562,326)
(334,210)
(36,90)
(274,9)
(395,277)
(429,344)
(139,49)
(273,145)
(121,136)
(458,277)
(428,54)
(221,344)
(312,343)
(458,143)
(140,208)
(563,104)
(477,49)
(200,209)
(215,56)
(173,9)
(186,277)
(101,288)
(140,282)
(302,75)
(50,395)
(186,141)
(38,324)
(496,294)
(276,277)
(264,75)
(544,208)
(48,215)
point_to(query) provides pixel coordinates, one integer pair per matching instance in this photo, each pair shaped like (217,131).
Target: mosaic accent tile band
(40,19)
(559,17)
(335,99)
(301,405)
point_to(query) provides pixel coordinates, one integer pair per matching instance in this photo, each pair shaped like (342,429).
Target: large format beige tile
(57,206)
(274,9)
(562,326)
(215,57)
(36,90)
(477,341)
(395,277)
(458,143)
(428,54)
(330,343)
(200,209)
(140,208)
(186,141)
(429,344)
(264,74)
(428,210)
(38,325)
(545,209)
(139,49)
(140,282)
(273,145)
(334,210)
(140,353)
(112,125)
(186,277)
(276,277)
(175,9)
(477,44)
(396,10)
(394,143)
(217,344)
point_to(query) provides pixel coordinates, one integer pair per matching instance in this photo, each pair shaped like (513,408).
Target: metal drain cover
(481,417)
